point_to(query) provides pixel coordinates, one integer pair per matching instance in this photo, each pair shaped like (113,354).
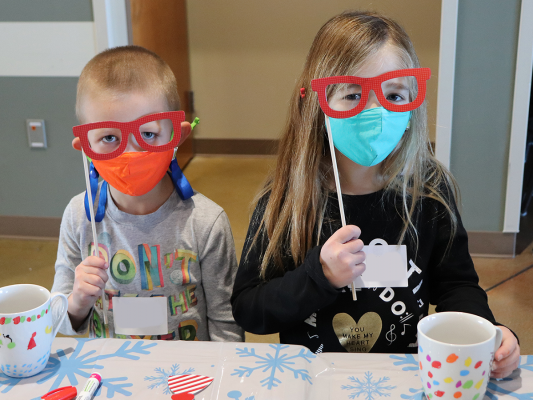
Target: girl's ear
(76,144)
(185,132)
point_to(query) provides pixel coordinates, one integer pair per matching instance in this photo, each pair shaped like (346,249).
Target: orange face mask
(135,173)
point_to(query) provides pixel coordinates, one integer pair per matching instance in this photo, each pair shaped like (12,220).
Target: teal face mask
(370,136)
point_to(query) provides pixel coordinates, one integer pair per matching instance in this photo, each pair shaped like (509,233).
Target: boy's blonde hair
(127,69)
(298,189)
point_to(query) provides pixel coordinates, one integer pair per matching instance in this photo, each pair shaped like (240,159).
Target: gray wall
(487,37)
(48,10)
(39,182)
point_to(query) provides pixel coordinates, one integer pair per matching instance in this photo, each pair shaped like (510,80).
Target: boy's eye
(156,133)
(148,135)
(109,139)
(104,140)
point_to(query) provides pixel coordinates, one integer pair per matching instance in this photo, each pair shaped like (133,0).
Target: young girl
(298,260)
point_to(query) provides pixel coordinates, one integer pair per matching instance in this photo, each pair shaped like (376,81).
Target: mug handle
(498,339)
(63,311)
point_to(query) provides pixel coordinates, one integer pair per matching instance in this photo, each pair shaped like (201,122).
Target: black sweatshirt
(307,310)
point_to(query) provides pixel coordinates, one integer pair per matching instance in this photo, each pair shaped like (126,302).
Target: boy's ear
(76,144)
(185,132)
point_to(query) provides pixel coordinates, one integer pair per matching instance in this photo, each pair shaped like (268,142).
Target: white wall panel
(45,48)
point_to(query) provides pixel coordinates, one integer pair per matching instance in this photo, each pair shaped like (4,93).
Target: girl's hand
(341,256)
(508,355)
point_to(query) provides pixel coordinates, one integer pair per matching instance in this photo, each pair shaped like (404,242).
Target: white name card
(386,266)
(140,315)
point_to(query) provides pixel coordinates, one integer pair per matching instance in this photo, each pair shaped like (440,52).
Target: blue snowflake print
(416,394)
(161,378)
(494,388)
(410,364)
(526,362)
(406,359)
(8,382)
(368,387)
(278,361)
(235,394)
(77,363)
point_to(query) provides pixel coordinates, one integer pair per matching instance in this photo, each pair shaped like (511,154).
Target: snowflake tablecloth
(139,369)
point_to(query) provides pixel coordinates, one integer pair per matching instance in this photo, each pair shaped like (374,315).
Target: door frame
(112,24)
(520,112)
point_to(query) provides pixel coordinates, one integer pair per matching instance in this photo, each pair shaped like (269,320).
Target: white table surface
(138,369)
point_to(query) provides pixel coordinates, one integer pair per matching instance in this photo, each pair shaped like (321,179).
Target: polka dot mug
(27,328)
(455,354)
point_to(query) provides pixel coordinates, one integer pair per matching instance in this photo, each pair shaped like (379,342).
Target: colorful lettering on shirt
(168,260)
(104,251)
(110,294)
(187,330)
(186,257)
(151,273)
(184,300)
(168,336)
(141,337)
(99,330)
(98,303)
(175,302)
(123,268)
(191,296)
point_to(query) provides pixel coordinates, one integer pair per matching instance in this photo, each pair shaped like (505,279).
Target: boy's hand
(341,256)
(507,357)
(90,278)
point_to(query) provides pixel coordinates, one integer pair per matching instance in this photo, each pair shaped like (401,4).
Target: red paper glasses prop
(346,96)
(108,139)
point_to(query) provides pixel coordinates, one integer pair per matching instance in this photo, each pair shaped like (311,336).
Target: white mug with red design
(27,329)
(455,354)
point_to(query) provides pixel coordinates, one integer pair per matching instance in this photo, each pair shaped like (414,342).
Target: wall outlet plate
(36,133)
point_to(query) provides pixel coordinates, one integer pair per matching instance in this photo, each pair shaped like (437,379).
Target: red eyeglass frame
(320,85)
(82,131)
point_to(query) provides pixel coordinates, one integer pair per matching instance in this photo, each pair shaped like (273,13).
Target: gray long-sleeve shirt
(184,251)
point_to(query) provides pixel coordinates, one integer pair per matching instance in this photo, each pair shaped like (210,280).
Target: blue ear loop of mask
(102,200)
(182,185)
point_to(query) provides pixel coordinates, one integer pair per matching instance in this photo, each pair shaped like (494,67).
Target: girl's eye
(395,98)
(148,135)
(397,90)
(343,96)
(352,97)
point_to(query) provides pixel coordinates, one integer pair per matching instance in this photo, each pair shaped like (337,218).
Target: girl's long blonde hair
(297,190)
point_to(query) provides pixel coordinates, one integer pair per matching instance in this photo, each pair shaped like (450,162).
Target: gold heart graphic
(357,337)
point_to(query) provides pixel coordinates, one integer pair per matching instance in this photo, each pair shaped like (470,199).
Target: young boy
(152,244)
